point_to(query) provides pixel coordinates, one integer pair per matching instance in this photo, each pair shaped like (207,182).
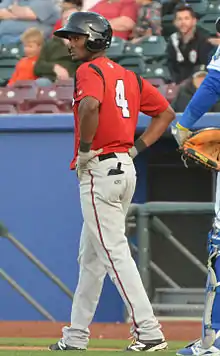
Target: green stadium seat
(200,7)
(167,26)
(135,63)
(13,50)
(152,48)
(157,70)
(117,47)
(9,56)
(214,8)
(207,22)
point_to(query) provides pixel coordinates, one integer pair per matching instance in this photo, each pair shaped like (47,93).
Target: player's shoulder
(83,67)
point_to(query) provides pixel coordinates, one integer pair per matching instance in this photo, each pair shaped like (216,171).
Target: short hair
(33,34)
(184,7)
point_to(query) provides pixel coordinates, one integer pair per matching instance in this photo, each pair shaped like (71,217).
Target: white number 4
(120,98)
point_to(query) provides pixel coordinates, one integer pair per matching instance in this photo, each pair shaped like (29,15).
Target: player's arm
(155,105)
(90,91)
(89,118)
(204,98)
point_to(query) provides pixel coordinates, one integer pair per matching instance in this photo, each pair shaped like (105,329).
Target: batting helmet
(94,26)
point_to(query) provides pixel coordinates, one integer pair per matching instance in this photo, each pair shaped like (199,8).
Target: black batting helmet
(94,26)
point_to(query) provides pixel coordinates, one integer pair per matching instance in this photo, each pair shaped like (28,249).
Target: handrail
(26,295)
(145,220)
(162,229)
(5,233)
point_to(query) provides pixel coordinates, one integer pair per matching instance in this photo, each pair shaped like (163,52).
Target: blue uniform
(206,96)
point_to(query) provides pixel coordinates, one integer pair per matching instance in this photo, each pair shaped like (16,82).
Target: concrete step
(178,310)
(176,296)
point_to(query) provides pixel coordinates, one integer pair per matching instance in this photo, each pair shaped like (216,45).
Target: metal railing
(4,233)
(143,217)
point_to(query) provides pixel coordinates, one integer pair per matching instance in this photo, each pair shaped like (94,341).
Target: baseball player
(107,100)
(207,95)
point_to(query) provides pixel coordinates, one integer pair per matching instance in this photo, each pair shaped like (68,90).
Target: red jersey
(121,98)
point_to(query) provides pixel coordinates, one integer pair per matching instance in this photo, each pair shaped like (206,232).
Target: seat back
(134,63)
(117,47)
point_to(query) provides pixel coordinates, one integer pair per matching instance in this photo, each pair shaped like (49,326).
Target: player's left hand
(180,133)
(83,158)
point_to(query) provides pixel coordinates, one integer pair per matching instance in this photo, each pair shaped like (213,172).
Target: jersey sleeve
(89,83)
(152,101)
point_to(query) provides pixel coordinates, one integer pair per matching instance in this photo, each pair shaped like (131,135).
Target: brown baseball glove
(203,147)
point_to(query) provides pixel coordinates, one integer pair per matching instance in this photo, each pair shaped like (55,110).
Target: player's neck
(97,55)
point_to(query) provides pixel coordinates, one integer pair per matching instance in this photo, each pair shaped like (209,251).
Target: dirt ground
(181,330)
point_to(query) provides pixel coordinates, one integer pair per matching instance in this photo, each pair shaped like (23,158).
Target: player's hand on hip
(83,158)
(180,133)
(132,152)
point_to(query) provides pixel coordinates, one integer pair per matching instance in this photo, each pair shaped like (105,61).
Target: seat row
(28,98)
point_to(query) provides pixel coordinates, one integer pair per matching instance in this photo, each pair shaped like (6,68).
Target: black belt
(107,156)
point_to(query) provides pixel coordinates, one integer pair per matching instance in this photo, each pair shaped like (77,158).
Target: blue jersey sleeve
(206,96)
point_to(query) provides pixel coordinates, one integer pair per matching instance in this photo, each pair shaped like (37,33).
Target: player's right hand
(83,158)
(180,133)
(132,152)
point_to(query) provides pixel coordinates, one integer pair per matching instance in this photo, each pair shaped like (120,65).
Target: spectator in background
(187,47)
(32,40)
(148,21)
(122,15)
(74,5)
(188,89)
(17,16)
(54,61)
(88,4)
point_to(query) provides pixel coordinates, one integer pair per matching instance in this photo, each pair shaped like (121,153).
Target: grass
(94,343)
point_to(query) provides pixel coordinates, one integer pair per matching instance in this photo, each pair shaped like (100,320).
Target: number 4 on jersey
(120,98)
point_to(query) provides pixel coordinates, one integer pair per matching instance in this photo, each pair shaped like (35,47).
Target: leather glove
(180,133)
(83,158)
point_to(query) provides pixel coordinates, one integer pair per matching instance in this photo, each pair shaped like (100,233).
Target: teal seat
(167,26)
(207,22)
(157,70)
(117,48)
(153,48)
(134,63)
(200,7)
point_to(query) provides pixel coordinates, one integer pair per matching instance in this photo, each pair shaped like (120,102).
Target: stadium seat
(167,26)
(9,56)
(214,8)
(10,96)
(12,50)
(156,82)
(17,97)
(117,47)
(135,63)
(132,49)
(169,91)
(44,109)
(65,82)
(157,70)
(7,66)
(207,22)
(7,109)
(153,48)
(200,7)
(65,95)
(52,98)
